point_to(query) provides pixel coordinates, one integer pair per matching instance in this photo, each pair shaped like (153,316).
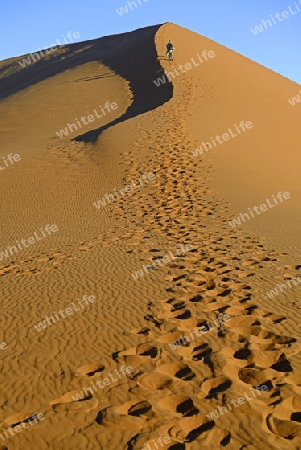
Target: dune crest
(76,371)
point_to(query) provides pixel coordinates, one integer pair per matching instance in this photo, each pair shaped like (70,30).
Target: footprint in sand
(16,419)
(143,356)
(177,370)
(190,428)
(136,409)
(255,377)
(73,401)
(286,429)
(178,404)
(257,334)
(212,387)
(263,359)
(89,370)
(144,330)
(131,416)
(155,381)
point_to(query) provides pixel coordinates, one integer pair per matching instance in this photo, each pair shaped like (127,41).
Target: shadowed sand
(61,370)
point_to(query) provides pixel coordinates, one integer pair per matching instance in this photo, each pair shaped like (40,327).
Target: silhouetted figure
(169,50)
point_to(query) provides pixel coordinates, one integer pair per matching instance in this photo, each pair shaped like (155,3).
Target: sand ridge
(170,393)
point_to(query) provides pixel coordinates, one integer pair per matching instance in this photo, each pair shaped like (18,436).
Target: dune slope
(179,326)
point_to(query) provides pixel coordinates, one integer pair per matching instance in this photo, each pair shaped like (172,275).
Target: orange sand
(168,393)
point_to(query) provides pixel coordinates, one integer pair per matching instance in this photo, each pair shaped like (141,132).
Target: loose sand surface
(90,313)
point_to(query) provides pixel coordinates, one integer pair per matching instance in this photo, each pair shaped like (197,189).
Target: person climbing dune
(169,50)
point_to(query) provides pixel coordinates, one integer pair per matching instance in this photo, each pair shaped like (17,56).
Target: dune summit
(174,396)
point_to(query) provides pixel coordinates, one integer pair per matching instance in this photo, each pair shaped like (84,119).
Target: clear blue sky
(26,25)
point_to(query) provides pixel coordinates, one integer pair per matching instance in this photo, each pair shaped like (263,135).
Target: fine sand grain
(170,392)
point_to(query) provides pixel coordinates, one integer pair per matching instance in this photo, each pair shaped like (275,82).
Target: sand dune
(190,352)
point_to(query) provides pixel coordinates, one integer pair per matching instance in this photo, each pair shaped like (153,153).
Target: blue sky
(26,25)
